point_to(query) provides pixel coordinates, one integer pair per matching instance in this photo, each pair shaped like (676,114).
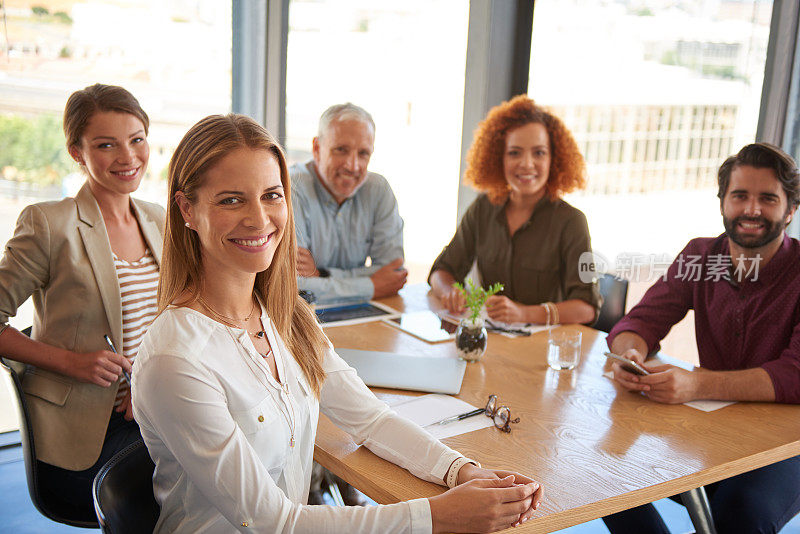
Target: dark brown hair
(82,104)
(485,158)
(763,156)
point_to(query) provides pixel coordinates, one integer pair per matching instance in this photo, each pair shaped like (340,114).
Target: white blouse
(218,427)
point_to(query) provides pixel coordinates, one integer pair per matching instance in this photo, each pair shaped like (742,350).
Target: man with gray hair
(345,214)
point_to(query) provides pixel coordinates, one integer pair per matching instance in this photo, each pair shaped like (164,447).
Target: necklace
(231,321)
(290,418)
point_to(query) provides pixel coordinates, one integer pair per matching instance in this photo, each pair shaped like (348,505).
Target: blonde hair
(201,148)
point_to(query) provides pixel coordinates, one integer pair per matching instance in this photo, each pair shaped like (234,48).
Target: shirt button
(260,420)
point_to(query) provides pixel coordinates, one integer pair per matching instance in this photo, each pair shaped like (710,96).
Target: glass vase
(471,339)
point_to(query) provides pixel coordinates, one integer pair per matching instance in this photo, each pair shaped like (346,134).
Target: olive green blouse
(539,263)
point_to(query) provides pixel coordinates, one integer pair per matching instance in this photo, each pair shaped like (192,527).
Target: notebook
(398,371)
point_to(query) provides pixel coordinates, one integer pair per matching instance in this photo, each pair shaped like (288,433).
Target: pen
(492,327)
(111,346)
(455,418)
(516,331)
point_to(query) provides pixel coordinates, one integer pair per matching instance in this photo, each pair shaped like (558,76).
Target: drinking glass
(563,349)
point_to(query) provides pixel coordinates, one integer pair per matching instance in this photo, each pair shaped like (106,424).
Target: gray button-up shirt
(341,238)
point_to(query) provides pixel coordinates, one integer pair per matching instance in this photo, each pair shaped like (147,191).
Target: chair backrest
(123,492)
(49,506)
(614,292)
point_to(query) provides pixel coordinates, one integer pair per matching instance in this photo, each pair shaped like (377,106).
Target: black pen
(492,327)
(455,418)
(515,331)
(111,346)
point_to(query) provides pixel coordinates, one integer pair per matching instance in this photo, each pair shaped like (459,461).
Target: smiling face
(341,156)
(526,161)
(755,209)
(114,151)
(239,214)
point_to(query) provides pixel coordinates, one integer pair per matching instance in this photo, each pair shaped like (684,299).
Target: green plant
(32,149)
(475,297)
(62,17)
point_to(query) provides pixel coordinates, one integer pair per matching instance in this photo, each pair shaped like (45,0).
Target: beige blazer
(60,255)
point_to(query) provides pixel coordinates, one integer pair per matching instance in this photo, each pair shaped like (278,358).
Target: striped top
(138,284)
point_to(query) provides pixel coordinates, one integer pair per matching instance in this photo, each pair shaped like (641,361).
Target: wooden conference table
(596,448)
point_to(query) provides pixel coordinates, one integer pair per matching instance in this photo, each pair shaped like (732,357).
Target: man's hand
(389,279)
(666,383)
(101,367)
(126,407)
(670,384)
(305,263)
(504,309)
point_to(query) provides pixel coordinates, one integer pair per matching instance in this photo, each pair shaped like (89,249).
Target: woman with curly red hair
(520,232)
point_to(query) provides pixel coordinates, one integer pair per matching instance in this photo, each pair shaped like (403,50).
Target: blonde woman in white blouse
(230,379)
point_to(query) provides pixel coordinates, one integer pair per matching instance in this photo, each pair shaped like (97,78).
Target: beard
(772,230)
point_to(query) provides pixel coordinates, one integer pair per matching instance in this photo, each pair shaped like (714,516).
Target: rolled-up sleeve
(784,371)
(458,256)
(574,242)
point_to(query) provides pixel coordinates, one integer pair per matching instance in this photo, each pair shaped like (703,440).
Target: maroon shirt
(739,325)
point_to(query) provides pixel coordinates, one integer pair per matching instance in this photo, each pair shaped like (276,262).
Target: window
(174,56)
(404,63)
(682,82)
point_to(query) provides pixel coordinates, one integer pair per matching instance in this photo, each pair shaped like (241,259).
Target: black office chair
(123,492)
(614,292)
(47,504)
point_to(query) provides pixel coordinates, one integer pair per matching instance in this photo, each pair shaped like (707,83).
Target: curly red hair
(485,157)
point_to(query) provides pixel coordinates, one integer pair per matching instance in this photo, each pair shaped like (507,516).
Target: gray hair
(339,112)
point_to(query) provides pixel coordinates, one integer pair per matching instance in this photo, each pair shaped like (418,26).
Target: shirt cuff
(443,465)
(3,326)
(364,287)
(421,520)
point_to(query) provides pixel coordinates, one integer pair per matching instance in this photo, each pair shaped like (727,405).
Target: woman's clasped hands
(485,500)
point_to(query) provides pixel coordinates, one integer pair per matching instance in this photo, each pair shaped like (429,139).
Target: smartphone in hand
(629,365)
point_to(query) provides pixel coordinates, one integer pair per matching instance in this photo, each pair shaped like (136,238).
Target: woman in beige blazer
(63,255)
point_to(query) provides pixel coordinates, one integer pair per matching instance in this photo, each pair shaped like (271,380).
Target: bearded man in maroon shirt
(744,288)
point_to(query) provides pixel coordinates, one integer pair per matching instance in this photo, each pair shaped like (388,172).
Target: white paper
(702,405)
(708,405)
(527,327)
(435,407)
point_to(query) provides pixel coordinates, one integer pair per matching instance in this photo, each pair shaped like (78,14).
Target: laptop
(400,371)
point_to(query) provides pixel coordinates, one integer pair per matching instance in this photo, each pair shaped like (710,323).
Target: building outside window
(173,55)
(657,94)
(403,62)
